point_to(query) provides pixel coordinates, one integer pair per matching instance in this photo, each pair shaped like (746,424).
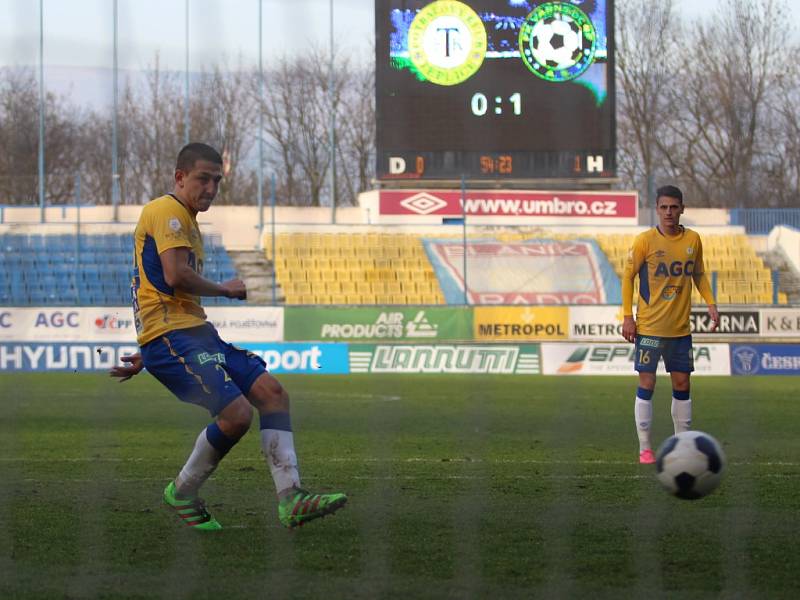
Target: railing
(760,221)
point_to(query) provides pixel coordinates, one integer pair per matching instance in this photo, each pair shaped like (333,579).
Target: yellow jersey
(667,266)
(157,308)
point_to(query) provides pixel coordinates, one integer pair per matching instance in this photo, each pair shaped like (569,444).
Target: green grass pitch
(460,487)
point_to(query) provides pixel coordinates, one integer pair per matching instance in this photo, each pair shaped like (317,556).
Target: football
(690,464)
(557,42)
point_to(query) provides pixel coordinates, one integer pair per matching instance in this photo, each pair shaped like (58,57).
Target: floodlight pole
(260,126)
(186,81)
(114,138)
(464,233)
(41,111)
(332,133)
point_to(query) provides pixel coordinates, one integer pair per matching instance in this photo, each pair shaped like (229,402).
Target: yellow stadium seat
(760,286)
(348,287)
(339,299)
(386,299)
(339,264)
(300,275)
(320,262)
(299,287)
(408,286)
(353,298)
(363,287)
(394,288)
(783,298)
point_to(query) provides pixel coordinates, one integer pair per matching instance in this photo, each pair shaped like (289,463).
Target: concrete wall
(241,227)
(786,239)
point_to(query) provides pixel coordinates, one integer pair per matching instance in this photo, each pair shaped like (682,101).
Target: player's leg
(681,402)
(211,446)
(648,352)
(680,363)
(189,365)
(296,506)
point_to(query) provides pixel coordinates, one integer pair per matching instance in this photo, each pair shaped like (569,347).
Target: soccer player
(668,259)
(185,353)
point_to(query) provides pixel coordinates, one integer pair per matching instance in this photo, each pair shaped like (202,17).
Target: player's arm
(180,275)
(704,287)
(634,262)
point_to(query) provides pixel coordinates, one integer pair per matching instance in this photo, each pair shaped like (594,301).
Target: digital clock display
(494,89)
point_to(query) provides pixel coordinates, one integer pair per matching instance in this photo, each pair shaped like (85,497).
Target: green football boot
(192,511)
(300,507)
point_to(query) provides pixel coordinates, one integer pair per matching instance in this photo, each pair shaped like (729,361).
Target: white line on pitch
(418,459)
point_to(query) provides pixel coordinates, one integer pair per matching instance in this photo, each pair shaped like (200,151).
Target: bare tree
(356,134)
(718,135)
(297,108)
(19,138)
(647,56)
(153,113)
(223,115)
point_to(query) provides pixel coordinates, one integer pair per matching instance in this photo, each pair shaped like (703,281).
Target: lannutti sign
(616,207)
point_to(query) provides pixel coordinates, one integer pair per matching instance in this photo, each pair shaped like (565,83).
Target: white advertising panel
(115,324)
(595,323)
(780,322)
(247,323)
(618,359)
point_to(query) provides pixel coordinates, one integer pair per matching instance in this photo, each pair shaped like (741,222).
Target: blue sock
(277,420)
(219,440)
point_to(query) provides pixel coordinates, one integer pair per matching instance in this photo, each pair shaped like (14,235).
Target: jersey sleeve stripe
(153,268)
(644,283)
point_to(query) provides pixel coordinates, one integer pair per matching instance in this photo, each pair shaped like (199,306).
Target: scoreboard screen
(494,89)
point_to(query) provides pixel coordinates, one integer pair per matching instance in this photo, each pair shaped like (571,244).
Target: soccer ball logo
(690,464)
(557,41)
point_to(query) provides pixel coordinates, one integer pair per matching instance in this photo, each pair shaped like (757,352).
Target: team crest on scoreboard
(447,42)
(557,41)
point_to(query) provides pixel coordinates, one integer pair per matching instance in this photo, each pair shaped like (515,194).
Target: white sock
(643,413)
(198,468)
(278,448)
(682,414)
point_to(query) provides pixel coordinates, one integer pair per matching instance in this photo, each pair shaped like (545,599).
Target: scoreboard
(494,89)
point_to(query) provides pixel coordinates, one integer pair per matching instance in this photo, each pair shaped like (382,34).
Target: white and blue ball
(690,464)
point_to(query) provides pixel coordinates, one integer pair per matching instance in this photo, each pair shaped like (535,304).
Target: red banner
(510,203)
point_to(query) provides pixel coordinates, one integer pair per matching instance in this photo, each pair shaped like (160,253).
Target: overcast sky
(79,34)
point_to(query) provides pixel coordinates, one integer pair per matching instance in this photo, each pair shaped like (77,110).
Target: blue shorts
(677,353)
(198,367)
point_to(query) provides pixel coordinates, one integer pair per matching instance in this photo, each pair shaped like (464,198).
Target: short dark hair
(670,191)
(193,152)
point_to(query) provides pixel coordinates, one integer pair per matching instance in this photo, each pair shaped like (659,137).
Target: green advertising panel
(510,359)
(396,324)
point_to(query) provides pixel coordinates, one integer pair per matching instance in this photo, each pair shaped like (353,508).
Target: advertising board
(765,359)
(440,358)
